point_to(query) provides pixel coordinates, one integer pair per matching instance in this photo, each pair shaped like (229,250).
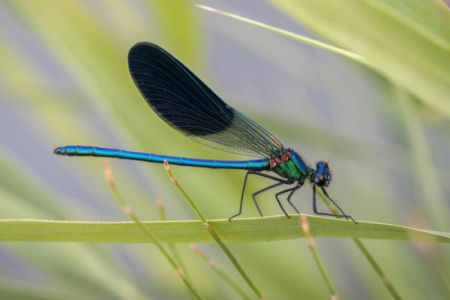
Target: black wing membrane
(181,99)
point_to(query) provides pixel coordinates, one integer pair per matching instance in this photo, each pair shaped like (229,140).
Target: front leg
(344,215)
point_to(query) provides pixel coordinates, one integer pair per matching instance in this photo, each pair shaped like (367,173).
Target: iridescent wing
(181,99)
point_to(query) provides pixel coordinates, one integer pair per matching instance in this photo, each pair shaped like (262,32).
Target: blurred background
(64,80)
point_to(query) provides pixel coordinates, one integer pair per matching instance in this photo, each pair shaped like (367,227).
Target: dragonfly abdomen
(255,165)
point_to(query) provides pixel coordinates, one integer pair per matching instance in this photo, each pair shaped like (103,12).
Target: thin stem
(312,247)
(212,263)
(351,55)
(129,212)
(208,226)
(172,247)
(423,168)
(387,283)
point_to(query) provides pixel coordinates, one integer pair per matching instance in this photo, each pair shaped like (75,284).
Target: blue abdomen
(257,165)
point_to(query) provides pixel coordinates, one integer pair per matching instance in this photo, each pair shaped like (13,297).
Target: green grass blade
(219,271)
(180,24)
(304,224)
(292,35)
(242,230)
(128,210)
(172,247)
(367,254)
(396,43)
(427,181)
(209,227)
(37,201)
(375,265)
(399,31)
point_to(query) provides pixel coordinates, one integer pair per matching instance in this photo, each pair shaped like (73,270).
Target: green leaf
(180,24)
(242,230)
(405,41)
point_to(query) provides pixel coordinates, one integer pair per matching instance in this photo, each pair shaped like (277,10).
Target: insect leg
(245,184)
(263,190)
(290,195)
(328,214)
(291,191)
(335,204)
(242,196)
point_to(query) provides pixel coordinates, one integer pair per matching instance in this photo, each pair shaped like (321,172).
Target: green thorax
(290,166)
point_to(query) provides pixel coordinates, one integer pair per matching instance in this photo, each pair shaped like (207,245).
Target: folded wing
(181,99)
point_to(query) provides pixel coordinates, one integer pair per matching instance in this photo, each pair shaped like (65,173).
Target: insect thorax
(290,166)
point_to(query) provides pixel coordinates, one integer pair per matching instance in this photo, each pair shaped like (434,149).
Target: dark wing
(182,100)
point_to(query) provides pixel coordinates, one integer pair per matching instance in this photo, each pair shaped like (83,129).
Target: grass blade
(373,263)
(291,35)
(151,237)
(386,282)
(384,34)
(210,228)
(172,247)
(337,22)
(219,271)
(426,176)
(241,230)
(312,247)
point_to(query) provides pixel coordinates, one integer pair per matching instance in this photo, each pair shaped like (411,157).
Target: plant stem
(210,229)
(312,247)
(386,282)
(423,168)
(172,247)
(219,271)
(129,212)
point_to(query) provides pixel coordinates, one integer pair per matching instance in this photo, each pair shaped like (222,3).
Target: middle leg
(257,173)
(291,192)
(264,190)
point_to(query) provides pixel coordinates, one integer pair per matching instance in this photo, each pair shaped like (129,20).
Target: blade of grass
(426,178)
(172,247)
(242,230)
(212,231)
(19,290)
(225,277)
(408,57)
(356,57)
(38,201)
(292,35)
(434,259)
(431,194)
(373,263)
(422,63)
(129,212)
(180,24)
(386,282)
(318,260)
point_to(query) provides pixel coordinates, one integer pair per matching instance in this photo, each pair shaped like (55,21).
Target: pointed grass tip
(207,8)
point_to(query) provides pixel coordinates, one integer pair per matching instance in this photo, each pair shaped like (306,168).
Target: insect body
(184,102)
